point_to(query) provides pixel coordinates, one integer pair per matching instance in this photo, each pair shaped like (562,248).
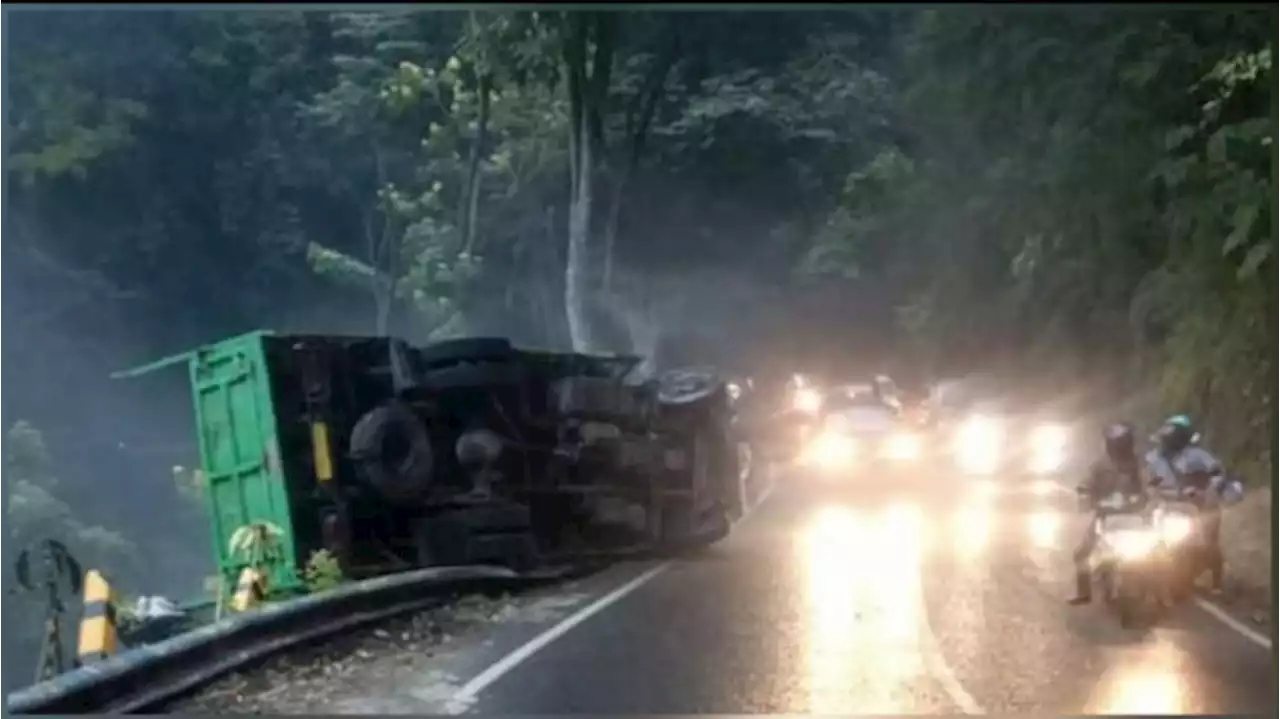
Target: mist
(841,193)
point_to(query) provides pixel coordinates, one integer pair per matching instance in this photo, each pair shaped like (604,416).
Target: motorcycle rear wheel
(1132,597)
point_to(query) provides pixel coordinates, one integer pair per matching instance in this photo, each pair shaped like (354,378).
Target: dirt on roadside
(308,679)
(1248,542)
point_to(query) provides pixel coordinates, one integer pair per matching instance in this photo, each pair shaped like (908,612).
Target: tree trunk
(473,166)
(577,284)
(584,105)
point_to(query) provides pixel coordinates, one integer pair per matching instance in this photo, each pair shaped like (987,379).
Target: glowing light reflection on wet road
(863,604)
(1147,684)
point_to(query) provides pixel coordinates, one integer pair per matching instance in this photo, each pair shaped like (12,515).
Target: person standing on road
(1117,470)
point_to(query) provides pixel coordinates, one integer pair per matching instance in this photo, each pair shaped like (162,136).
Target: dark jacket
(1106,476)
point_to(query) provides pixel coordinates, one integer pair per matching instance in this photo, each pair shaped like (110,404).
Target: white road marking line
(937,663)
(1235,624)
(466,695)
(1217,612)
(469,691)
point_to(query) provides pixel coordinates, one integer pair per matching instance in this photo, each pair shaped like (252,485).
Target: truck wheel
(392,452)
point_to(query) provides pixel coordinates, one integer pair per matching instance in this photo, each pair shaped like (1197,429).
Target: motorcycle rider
(1117,470)
(1179,464)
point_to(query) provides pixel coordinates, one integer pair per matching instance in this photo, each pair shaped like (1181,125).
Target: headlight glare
(1175,527)
(978,444)
(903,446)
(807,400)
(831,450)
(1133,544)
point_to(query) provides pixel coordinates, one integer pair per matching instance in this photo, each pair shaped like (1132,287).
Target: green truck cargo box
(244,478)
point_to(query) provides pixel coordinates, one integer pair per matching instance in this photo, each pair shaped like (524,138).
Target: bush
(322,571)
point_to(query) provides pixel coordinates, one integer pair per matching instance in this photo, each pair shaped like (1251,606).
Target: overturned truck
(468,451)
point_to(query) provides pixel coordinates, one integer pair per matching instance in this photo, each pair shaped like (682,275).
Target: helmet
(1175,434)
(1118,439)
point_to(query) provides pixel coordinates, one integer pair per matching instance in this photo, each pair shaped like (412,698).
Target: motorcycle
(1176,519)
(1130,561)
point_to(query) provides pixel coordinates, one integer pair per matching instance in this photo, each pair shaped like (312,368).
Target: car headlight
(831,450)
(979,430)
(1048,448)
(903,446)
(807,400)
(978,444)
(1175,527)
(1133,543)
(1046,463)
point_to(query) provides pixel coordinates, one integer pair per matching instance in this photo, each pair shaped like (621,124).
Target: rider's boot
(1083,589)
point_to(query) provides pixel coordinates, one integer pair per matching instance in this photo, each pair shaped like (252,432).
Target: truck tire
(392,452)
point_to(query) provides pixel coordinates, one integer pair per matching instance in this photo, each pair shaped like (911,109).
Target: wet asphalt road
(934,598)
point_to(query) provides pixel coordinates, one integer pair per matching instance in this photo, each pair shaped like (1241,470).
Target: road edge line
(466,695)
(463,698)
(1232,623)
(938,666)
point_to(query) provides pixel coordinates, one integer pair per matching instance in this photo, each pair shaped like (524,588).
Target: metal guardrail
(148,676)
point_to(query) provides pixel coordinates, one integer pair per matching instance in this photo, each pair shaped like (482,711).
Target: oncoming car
(986,438)
(857,433)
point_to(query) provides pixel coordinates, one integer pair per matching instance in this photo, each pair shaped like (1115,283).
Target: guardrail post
(98,637)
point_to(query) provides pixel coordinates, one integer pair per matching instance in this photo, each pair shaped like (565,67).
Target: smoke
(705,315)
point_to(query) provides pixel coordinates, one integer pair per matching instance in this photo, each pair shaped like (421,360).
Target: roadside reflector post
(98,638)
(250,590)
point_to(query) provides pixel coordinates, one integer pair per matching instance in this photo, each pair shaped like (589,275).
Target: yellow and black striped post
(250,590)
(98,639)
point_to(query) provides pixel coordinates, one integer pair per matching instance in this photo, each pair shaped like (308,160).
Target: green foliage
(1083,197)
(1097,188)
(258,544)
(66,130)
(35,513)
(322,571)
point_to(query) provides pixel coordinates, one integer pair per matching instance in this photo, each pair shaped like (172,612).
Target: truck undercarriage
(469,451)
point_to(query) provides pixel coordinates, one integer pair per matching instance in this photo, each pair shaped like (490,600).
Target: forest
(1072,197)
